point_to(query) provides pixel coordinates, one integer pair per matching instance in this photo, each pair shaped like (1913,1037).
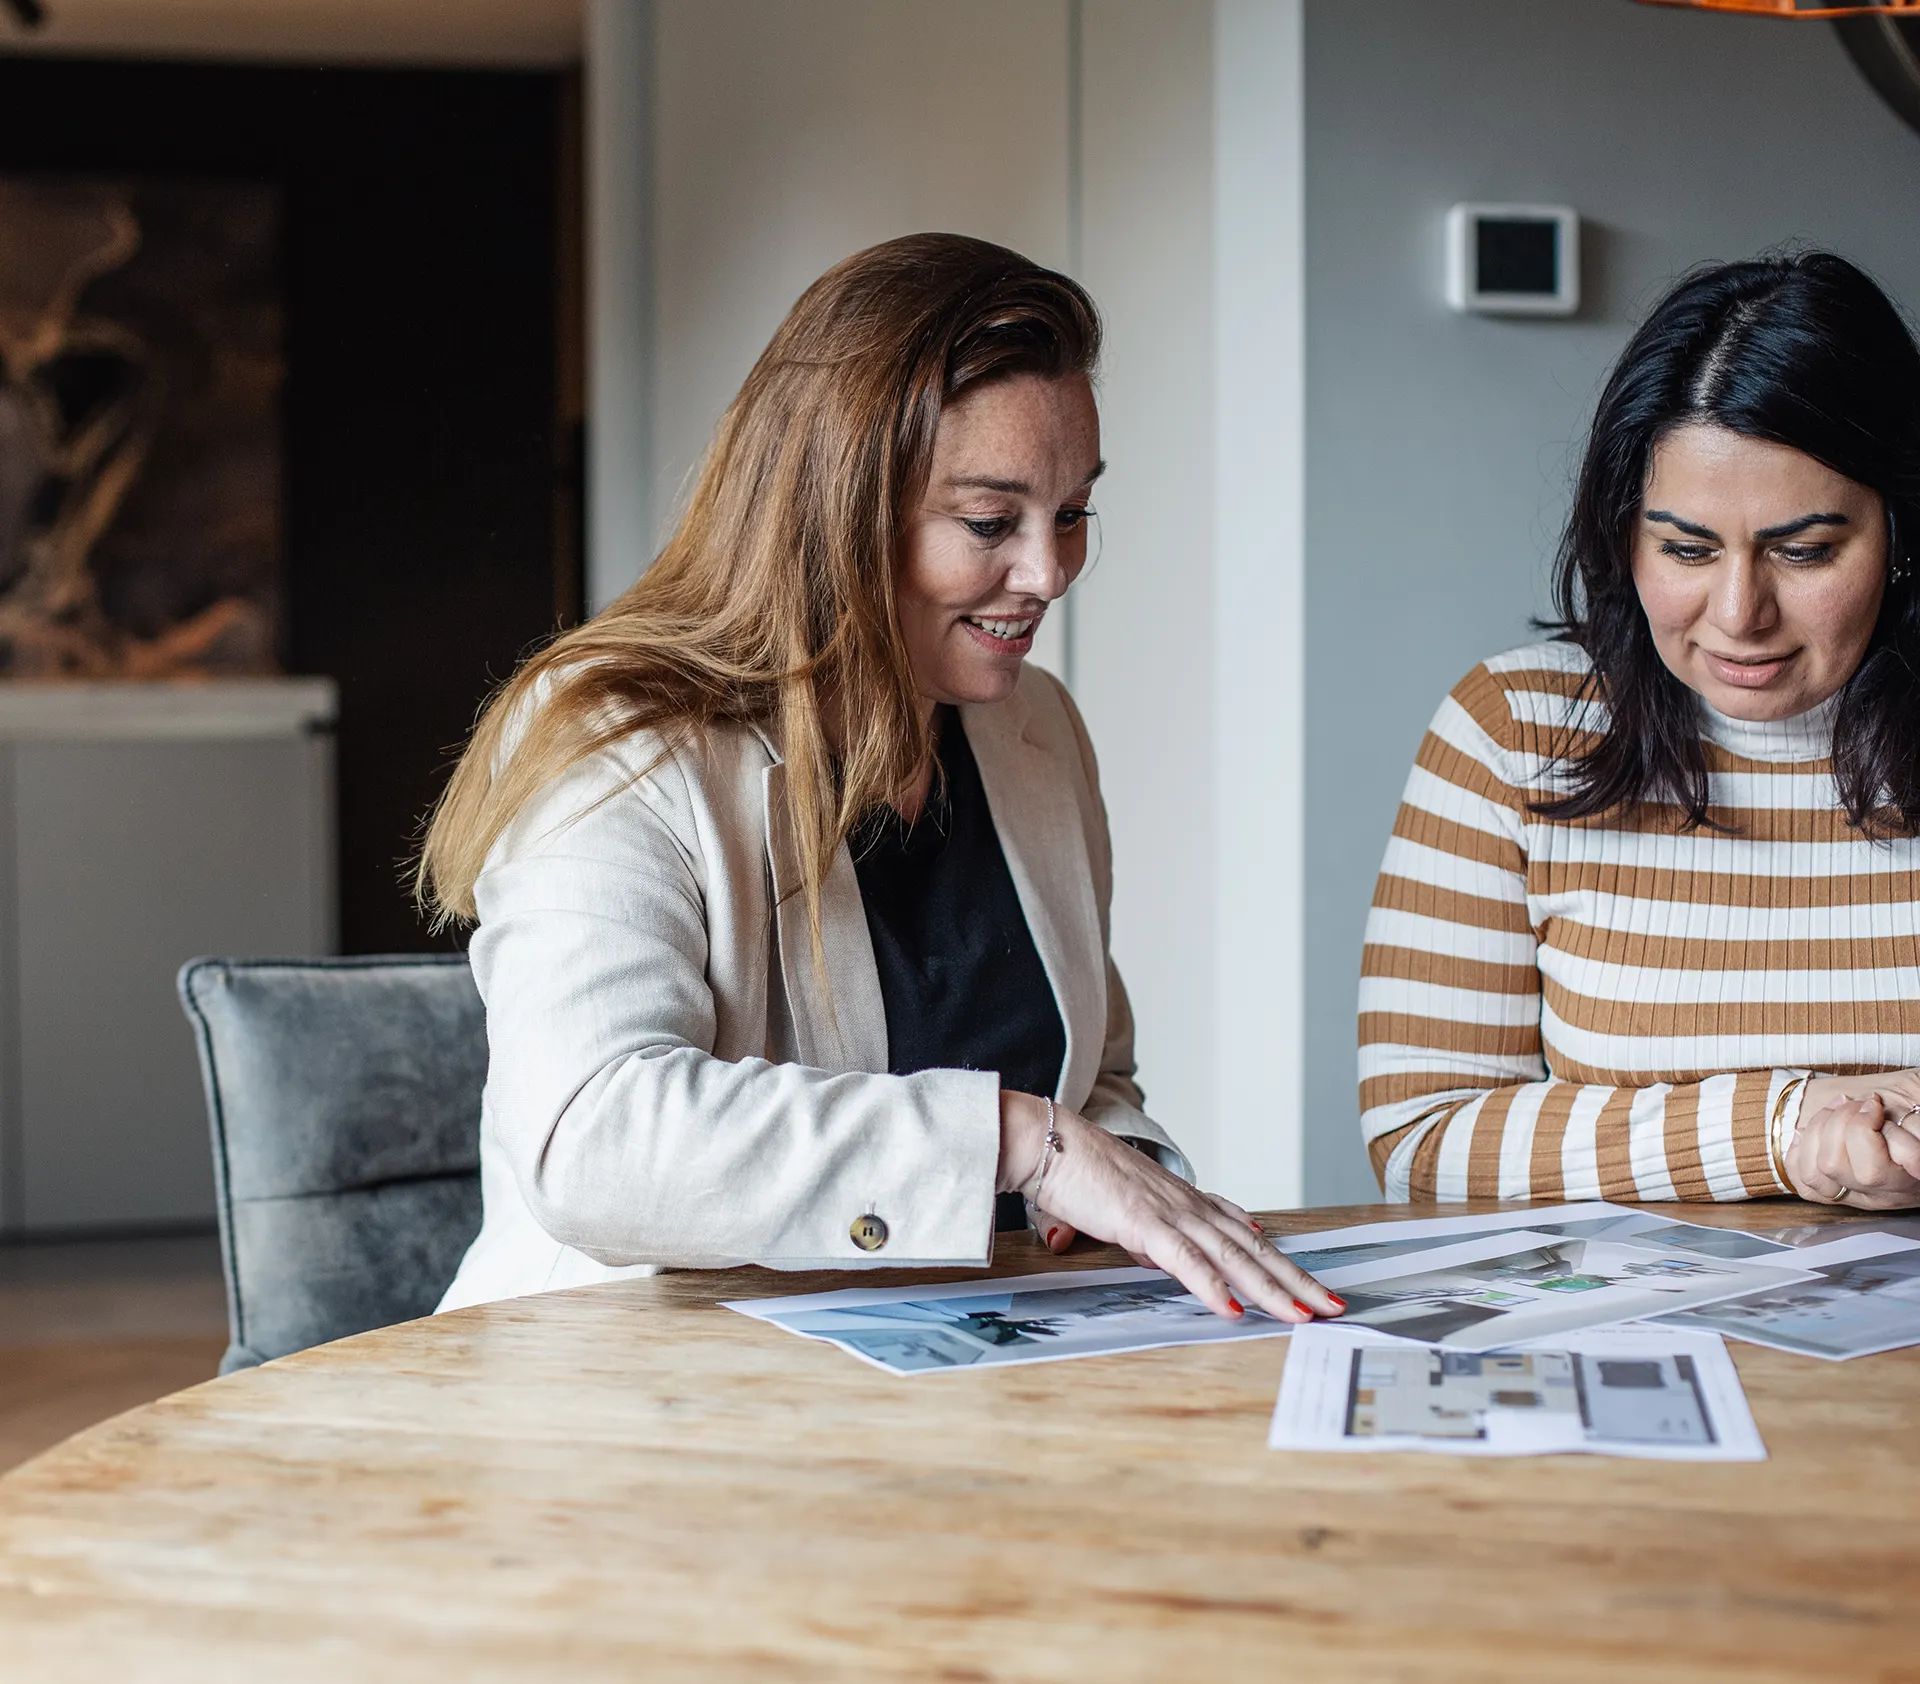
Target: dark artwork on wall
(140,375)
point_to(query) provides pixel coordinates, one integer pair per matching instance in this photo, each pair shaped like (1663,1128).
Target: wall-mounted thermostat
(1514,260)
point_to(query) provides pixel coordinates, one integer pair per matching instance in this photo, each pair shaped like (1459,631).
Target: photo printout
(1504,1287)
(1668,1394)
(1024,1318)
(1804,1234)
(1595,1220)
(1863,1298)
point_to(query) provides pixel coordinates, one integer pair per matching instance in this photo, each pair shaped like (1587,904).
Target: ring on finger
(1839,1194)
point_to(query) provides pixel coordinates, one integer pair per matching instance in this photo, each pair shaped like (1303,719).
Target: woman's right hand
(1857,1144)
(1101,1186)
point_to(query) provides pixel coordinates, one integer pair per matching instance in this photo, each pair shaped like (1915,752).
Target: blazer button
(869,1232)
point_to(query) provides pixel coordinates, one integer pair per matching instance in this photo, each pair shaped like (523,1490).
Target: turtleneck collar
(1802,736)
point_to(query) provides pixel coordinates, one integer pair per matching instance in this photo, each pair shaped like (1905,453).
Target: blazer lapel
(1038,818)
(843,1024)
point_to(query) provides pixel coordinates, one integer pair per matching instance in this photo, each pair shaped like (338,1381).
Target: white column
(1143,619)
(1259,598)
(619,193)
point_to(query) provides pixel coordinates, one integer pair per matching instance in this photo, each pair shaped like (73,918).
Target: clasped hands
(1858,1142)
(1100,1186)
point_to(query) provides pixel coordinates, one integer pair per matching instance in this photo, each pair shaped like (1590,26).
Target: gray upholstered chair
(344,1096)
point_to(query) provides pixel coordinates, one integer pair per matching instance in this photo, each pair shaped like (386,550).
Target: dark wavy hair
(1799,350)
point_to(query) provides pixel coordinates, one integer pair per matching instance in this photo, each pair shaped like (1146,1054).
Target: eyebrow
(1014,487)
(1766,534)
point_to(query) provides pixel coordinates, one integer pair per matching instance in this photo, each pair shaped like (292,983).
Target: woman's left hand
(1209,1244)
(1853,1153)
(1057,1235)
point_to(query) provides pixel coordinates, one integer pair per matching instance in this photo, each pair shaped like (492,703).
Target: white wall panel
(1144,617)
(791,135)
(1259,686)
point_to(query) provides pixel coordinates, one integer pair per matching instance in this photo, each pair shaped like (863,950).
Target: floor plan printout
(1497,1288)
(1664,1393)
(1024,1318)
(1863,1298)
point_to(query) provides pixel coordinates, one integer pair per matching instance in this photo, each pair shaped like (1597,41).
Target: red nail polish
(1339,1303)
(1236,1307)
(1052,1235)
(1256,1226)
(1302,1308)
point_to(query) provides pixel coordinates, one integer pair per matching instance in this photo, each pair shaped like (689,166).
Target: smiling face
(1760,571)
(1000,534)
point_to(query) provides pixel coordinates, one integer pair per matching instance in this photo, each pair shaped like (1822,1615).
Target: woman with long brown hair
(790,878)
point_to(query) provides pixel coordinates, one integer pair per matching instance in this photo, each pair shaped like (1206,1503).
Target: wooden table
(628,1482)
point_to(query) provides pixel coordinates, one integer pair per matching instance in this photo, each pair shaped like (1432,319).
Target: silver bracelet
(1047,1154)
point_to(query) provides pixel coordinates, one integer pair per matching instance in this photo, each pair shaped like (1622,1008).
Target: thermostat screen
(1516,255)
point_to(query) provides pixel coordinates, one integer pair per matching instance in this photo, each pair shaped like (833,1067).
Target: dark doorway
(429,454)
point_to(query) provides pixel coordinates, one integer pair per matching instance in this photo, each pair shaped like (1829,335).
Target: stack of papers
(1584,1327)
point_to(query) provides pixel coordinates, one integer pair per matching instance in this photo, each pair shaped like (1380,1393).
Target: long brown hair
(773,602)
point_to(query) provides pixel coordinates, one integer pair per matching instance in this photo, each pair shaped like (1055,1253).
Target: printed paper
(1500,1288)
(1593,1219)
(1665,1393)
(1863,1297)
(1025,1318)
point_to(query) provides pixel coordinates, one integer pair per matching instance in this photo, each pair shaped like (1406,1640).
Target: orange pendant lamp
(1795,8)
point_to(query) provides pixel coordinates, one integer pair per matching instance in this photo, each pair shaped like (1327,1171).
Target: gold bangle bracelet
(1776,1126)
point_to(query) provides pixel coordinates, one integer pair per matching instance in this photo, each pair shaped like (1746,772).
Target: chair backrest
(344,1096)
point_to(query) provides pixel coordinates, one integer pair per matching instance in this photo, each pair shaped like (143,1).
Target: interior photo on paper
(1505,1287)
(1864,1298)
(1802,1235)
(1027,1318)
(1379,1241)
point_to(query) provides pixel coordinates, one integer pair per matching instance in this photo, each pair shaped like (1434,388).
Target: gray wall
(1438,446)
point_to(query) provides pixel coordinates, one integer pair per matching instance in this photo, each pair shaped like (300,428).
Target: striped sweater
(1608,1008)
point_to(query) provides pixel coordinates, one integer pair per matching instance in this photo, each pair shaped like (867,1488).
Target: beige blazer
(670,1083)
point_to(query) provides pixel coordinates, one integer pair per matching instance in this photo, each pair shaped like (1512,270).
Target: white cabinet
(141,825)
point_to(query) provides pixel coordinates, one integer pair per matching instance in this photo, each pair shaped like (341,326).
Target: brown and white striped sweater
(1607,1008)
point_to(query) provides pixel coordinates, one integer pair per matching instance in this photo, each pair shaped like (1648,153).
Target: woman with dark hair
(1649,924)
(790,877)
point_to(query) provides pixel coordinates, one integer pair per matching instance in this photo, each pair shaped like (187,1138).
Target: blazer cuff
(923,1199)
(1140,1130)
